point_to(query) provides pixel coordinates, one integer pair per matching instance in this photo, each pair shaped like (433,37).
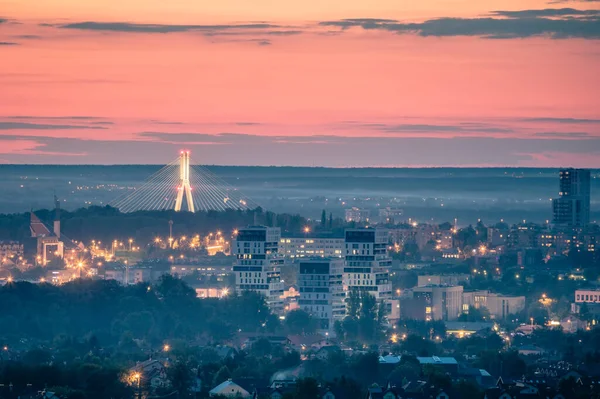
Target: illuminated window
(428,310)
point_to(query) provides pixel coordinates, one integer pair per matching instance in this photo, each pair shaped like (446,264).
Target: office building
(321,292)
(357,215)
(499,306)
(367,263)
(296,247)
(572,207)
(434,302)
(258,263)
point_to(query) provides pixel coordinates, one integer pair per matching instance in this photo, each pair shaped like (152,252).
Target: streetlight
(138,377)
(166,348)
(130,242)
(80,266)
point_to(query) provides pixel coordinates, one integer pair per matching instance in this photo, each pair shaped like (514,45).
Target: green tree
(181,377)
(307,388)
(353,304)
(298,321)
(222,375)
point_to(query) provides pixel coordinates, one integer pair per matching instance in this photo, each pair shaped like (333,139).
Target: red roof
(38,229)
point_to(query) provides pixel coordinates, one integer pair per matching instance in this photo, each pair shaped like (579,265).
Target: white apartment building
(296,247)
(258,263)
(499,306)
(367,263)
(321,291)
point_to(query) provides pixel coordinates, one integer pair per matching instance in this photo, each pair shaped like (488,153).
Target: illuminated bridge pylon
(167,188)
(184,186)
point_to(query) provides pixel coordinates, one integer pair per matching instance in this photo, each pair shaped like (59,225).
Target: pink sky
(243,82)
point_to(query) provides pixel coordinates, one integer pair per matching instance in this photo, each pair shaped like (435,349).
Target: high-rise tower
(258,263)
(367,265)
(184,184)
(572,207)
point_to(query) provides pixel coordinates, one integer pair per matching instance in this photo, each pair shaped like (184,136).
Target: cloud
(127,27)
(572,1)
(27,37)
(8,44)
(430,128)
(236,138)
(497,28)
(264,43)
(548,12)
(357,151)
(573,135)
(39,126)
(562,120)
(76,117)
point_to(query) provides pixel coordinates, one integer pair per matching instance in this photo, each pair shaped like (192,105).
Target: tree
(353,304)
(307,388)
(468,390)
(261,348)
(222,375)
(475,314)
(298,321)
(181,377)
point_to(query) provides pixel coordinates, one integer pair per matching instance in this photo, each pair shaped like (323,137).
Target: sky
(341,83)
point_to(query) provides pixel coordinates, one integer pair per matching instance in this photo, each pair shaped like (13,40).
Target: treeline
(126,317)
(107,223)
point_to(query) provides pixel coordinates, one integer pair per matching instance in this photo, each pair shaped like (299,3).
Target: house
(377,392)
(225,352)
(479,376)
(449,364)
(152,372)
(47,395)
(307,342)
(326,351)
(527,350)
(515,390)
(389,359)
(229,389)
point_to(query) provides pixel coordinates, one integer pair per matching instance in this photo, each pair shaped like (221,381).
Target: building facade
(367,263)
(587,296)
(258,263)
(499,306)
(296,247)
(436,302)
(572,207)
(357,215)
(321,291)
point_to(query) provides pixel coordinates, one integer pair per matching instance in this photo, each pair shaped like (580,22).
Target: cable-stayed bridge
(180,185)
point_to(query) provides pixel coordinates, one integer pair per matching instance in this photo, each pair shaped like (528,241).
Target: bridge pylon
(184,183)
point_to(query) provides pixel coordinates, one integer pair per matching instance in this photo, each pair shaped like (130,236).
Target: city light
(166,348)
